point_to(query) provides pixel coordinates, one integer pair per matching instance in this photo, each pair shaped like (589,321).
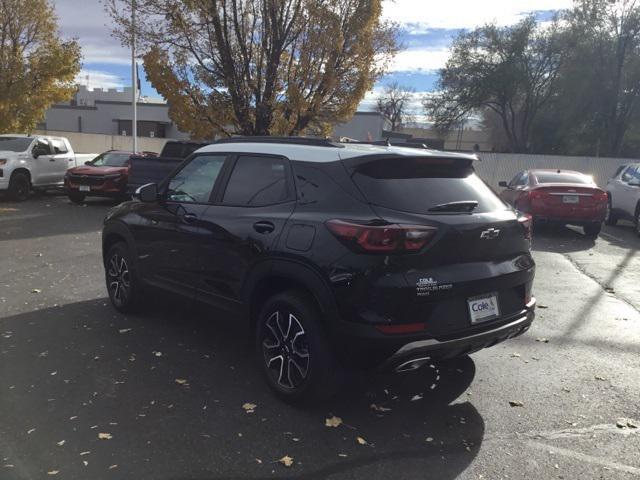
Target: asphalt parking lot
(87,393)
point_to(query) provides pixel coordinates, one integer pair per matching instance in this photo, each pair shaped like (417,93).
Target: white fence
(495,167)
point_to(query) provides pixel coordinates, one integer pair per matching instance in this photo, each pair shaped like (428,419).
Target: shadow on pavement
(169,388)
(47,215)
(560,239)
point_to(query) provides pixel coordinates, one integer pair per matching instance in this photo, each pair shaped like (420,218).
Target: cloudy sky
(428,27)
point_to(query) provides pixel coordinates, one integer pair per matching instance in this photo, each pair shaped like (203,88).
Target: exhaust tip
(412,364)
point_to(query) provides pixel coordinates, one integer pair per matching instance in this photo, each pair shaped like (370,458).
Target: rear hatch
(480,246)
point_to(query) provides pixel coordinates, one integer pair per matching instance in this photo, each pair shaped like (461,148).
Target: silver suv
(623,190)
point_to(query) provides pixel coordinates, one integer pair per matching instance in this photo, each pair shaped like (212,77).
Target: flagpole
(134,83)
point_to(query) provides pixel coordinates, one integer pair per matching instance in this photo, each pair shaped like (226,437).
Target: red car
(104,176)
(558,196)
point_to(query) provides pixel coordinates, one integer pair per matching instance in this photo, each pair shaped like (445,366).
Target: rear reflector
(401,328)
(381,238)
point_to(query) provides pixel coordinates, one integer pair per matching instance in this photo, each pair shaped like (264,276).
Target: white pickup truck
(35,162)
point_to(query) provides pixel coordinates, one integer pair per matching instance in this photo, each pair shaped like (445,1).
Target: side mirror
(503,184)
(147,193)
(88,162)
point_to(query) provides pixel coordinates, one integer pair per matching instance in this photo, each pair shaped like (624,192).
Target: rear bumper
(365,347)
(560,220)
(413,355)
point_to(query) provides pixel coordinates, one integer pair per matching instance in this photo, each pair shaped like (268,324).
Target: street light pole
(134,80)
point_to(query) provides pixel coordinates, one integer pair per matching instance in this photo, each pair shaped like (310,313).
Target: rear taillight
(391,238)
(600,196)
(526,222)
(536,194)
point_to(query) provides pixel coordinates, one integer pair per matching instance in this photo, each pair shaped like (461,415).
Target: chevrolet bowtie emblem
(490,234)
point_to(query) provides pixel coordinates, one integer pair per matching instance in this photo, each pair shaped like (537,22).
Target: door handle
(264,227)
(189,217)
(52,159)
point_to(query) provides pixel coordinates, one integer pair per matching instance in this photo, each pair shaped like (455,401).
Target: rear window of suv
(418,184)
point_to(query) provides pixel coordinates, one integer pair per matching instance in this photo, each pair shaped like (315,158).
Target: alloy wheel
(285,349)
(118,279)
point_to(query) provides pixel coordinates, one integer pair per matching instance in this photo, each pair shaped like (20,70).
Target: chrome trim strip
(571,194)
(432,341)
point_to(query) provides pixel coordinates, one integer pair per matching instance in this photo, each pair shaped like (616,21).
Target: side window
(524,179)
(514,180)
(42,147)
(194,183)
(58,146)
(257,181)
(628,174)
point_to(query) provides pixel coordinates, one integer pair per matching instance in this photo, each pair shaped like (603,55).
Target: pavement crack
(604,286)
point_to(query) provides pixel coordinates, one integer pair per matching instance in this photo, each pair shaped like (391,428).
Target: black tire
(637,222)
(293,351)
(76,197)
(610,217)
(19,187)
(123,284)
(593,230)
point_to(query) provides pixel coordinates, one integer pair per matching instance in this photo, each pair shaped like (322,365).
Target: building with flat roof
(109,112)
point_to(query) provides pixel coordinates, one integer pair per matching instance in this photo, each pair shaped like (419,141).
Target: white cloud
(98,79)
(422,15)
(425,60)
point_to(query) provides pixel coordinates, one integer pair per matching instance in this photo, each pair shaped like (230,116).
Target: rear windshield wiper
(463,206)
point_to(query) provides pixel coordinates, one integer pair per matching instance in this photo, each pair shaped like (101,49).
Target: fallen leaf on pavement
(30,431)
(181,381)
(542,340)
(111,467)
(249,407)
(515,403)
(333,422)
(429,439)
(542,306)
(36,290)
(61,443)
(515,355)
(287,461)
(361,440)
(53,472)
(85,453)
(415,398)
(600,377)
(124,330)
(632,424)
(105,436)
(343,455)
(379,408)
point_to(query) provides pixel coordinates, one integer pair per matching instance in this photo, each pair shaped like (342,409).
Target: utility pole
(134,80)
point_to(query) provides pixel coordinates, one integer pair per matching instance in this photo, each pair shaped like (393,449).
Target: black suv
(339,254)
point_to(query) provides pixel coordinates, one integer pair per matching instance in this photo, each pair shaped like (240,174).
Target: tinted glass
(194,183)
(523,180)
(58,145)
(554,177)
(110,159)
(628,174)
(15,144)
(257,181)
(417,185)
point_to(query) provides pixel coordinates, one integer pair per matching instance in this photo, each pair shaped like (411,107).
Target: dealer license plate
(483,308)
(570,199)
(84,188)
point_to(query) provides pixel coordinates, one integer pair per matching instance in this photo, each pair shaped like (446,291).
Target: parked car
(181,149)
(561,197)
(104,176)
(623,195)
(359,255)
(34,162)
(144,170)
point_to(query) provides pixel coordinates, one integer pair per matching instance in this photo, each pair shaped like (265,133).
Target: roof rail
(387,143)
(310,141)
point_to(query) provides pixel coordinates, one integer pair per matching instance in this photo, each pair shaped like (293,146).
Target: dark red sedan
(104,176)
(558,196)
